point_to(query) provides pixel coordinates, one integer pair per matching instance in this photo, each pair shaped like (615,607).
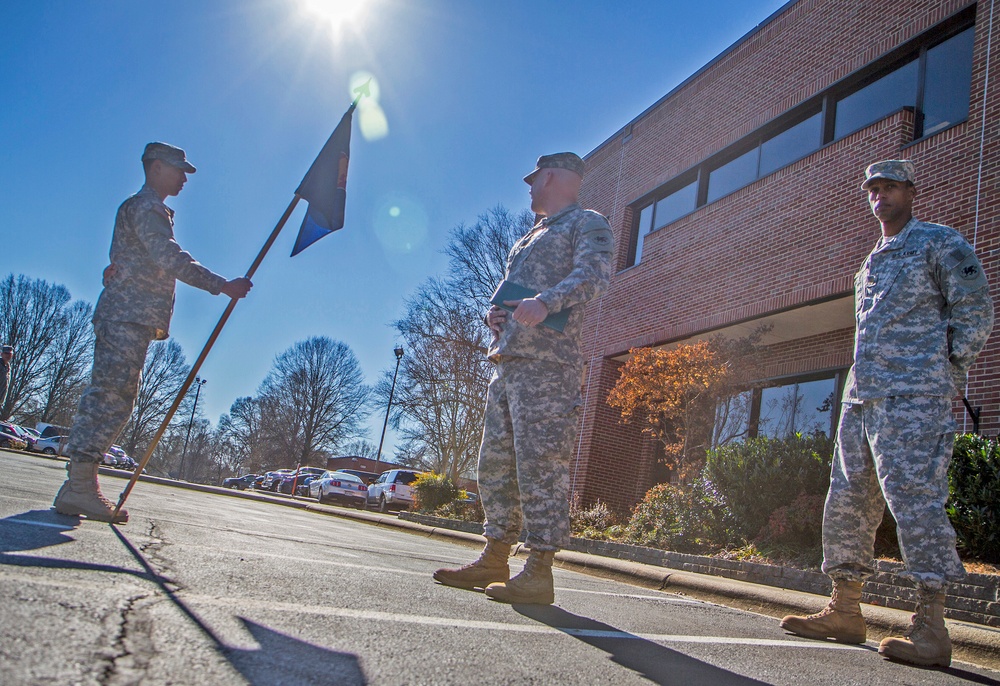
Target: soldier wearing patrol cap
(134,308)
(923,313)
(534,395)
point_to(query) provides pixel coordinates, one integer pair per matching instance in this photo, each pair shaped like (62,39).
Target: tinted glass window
(947,82)
(675,205)
(406,478)
(645,223)
(732,418)
(877,100)
(732,175)
(791,144)
(797,408)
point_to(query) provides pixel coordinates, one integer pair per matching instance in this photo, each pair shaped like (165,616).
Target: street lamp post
(198,383)
(399,356)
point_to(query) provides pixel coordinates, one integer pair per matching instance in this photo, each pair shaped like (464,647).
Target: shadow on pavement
(280,659)
(35,529)
(658,664)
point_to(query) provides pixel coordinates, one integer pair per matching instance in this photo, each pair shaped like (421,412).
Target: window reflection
(947,83)
(732,175)
(803,408)
(791,144)
(645,222)
(676,205)
(875,101)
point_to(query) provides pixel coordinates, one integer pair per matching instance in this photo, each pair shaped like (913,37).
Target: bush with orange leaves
(668,392)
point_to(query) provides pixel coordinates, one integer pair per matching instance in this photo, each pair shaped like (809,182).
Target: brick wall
(789,239)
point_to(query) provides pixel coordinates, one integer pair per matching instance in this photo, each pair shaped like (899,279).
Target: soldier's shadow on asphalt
(658,664)
(35,529)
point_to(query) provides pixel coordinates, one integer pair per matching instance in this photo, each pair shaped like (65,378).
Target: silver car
(339,487)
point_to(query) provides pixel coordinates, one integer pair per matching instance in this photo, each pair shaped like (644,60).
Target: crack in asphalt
(132,648)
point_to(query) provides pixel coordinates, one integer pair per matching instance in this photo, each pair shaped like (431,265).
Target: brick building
(735,201)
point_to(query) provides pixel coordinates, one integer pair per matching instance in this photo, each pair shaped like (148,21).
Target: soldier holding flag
(134,309)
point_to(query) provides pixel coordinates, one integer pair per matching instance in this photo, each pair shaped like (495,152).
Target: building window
(948,82)
(644,227)
(877,100)
(803,406)
(932,78)
(734,174)
(669,208)
(791,144)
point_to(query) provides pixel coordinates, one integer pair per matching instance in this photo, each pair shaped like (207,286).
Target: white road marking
(63,527)
(457,623)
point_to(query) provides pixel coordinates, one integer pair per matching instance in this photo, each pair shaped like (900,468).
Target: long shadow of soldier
(653,661)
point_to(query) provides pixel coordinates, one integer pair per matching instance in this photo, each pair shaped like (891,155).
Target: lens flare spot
(400,224)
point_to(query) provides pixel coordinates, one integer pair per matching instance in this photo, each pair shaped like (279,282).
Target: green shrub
(432,491)
(974,501)
(466,512)
(761,475)
(691,521)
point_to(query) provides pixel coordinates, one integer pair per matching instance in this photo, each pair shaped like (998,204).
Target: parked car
(391,490)
(339,487)
(367,477)
(20,432)
(11,441)
(295,478)
(117,457)
(258,483)
(52,445)
(302,487)
(273,478)
(239,483)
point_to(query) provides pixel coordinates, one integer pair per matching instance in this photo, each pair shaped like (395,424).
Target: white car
(339,487)
(392,490)
(53,445)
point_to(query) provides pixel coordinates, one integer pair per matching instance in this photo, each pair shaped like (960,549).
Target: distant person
(534,395)
(6,355)
(134,308)
(923,313)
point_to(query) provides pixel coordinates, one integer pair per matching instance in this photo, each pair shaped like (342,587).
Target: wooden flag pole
(201,358)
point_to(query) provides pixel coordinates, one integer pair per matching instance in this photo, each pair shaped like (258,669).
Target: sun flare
(335,12)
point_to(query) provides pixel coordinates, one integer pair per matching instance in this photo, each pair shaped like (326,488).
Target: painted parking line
(459,623)
(61,527)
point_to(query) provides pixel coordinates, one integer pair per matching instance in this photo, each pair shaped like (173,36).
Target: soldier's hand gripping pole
(196,367)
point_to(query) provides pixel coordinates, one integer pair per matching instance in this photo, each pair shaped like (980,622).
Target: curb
(973,643)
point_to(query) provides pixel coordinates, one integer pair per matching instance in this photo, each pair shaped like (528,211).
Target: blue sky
(471,93)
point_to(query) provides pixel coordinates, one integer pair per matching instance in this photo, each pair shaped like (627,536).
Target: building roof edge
(708,65)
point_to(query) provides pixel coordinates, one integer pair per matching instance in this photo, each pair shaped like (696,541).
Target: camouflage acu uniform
(134,309)
(534,395)
(923,313)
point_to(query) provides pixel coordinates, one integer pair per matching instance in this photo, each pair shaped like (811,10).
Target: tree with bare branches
(313,401)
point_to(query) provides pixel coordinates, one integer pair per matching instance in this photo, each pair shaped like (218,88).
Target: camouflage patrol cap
(897,170)
(7,349)
(559,160)
(168,153)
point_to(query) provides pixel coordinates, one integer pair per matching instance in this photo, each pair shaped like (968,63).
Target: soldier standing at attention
(134,309)
(534,395)
(923,312)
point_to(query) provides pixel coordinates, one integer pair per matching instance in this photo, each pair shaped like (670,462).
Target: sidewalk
(973,643)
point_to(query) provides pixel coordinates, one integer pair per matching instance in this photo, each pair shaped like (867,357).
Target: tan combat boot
(926,641)
(490,567)
(532,586)
(841,620)
(80,495)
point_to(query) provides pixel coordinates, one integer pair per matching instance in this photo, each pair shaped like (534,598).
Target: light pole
(399,356)
(198,383)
